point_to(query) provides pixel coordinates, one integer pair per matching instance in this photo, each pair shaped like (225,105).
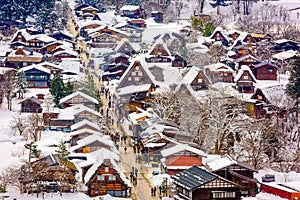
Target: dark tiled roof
(192,178)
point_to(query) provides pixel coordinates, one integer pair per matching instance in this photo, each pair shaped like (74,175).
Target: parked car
(268,178)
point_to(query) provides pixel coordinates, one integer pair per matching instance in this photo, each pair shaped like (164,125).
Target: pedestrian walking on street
(152,192)
(160,189)
(125,149)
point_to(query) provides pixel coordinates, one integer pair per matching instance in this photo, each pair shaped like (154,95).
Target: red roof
(184,161)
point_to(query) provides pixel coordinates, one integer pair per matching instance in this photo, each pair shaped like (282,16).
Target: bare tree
(49,105)
(225,116)
(18,123)
(194,118)
(254,143)
(166,104)
(35,125)
(216,52)
(8,86)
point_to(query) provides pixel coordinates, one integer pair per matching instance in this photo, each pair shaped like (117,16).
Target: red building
(265,71)
(284,190)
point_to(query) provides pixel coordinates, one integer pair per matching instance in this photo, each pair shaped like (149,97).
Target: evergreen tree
(293,87)
(21,84)
(89,87)
(57,88)
(62,151)
(33,151)
(69,88)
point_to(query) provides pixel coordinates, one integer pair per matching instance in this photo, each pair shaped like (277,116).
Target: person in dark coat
(152,192)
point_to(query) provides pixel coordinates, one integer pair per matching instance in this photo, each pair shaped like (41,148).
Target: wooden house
(261,37)
(233,34)
(140,23)
(135,33)
(197,79)
(219,72)
(89,25)
(79,98)
(125,47)
(114,71)
(52,67)
(67,53)
(120,58)
(90,143)
(31,105)
(53,47)
(37,42)
(269,100)
(181,157)
(157,16)
(265,71)
(238,172)
(105,177)
(58,119)
(135,86)
(247,59)
(219,36)
(48,174)
(159,53)
(85,124)
(285,45)
(37,76)
(132,11)
(62,36)
(196,183)
(21,58)
(81,134)
(244,80)
(89,9)
(103,40)
(82,112)
(79,7)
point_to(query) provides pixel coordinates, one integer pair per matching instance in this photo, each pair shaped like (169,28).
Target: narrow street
(141,190)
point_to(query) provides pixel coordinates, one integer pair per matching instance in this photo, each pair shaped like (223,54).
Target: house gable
(135,75)
(161,50)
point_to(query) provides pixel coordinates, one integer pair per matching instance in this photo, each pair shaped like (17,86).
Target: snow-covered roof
(181,147)
(89,22)
(218,66)
(78,93)
(90,139)
(114,165)
(285,55)
(191,75)
(221,163)
(78,108)
(133,117)
(82,131)
(38,67)
(133,89)
(129,7)
(31,54)
(159,42)
(42,37)
(83,123)
(71,64)
(66,51)
(283,41)
(241,71)
(121,43)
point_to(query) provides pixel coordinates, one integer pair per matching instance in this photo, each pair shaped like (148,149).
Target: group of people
(133,175)
(153,191)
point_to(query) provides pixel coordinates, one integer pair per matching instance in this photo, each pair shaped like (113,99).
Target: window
(106,169)
(246,77)
(200,80)
(270,70)
(137,68)
(136,79)
(112,177)
(100,177)
(129,78)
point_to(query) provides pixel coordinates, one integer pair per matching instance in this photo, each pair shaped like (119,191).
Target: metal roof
(193,178)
